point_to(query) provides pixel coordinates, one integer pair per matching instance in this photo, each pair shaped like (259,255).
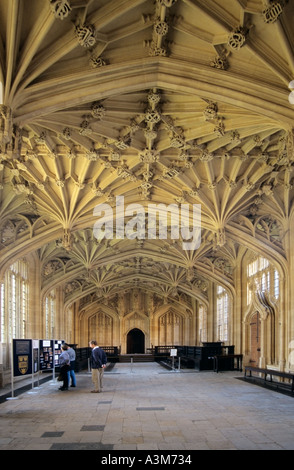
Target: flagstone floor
(145,407)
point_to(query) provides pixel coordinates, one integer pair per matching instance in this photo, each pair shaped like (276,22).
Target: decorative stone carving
(220,62)
(85,128)
(237,38)
(5,124)
(67,239)
(235,137)
(92,155)
(41,139)
(194,192)
(125,173)
(270,227)
(86,35)
(153,98)
(114,156)
(60,8)
(167,3)
(171,172)
(98,111)
(51,267)
(220,237)
(219,129)
(206,156)
(200,284)
(177,141)
(161,28)
(263,156)
(272,13)
(8,232)
(223,265)
(21,188)
(12,229)
(96,62)
(72,287)
(71,155)
(267,189)
(210,112)
(152,116)
(149,156)
(122,144)
(156,51)
(60,182)
(66,133)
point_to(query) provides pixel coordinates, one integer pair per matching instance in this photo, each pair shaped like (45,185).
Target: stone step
(136,358)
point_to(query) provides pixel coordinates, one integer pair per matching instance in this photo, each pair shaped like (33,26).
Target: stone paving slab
(143,407)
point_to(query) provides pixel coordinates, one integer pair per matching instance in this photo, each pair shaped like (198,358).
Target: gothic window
(50,308)
(202,323)
(14,301)
(2,313)
(276,284)
(262,277)
(222,309)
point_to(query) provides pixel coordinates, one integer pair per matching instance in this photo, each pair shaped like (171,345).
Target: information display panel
(35,345)
(22,357)
(46,354)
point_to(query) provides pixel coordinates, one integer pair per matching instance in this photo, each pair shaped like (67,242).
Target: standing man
(98,362)
(71,372)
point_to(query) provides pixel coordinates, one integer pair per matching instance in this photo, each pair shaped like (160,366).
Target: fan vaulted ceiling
(167,101)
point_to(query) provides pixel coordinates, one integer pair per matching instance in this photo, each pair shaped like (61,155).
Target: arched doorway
(135,342)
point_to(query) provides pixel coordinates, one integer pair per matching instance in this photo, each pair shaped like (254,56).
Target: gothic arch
(171,325)
(98,322)
(268,313)
(134,320)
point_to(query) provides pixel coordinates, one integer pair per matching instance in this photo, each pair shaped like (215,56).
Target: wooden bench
(271,373)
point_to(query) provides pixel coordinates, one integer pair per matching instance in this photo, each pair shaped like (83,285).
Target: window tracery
(14,293)
(262,276)
(222,312)
(50,311)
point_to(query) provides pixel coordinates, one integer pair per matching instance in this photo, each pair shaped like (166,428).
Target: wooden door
(135,342)
(255,331)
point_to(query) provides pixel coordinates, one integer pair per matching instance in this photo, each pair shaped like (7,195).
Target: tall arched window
(202,323)
(50,308)
(222,311)
(14,292)
(1,92)
(2,313)
(262,276)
